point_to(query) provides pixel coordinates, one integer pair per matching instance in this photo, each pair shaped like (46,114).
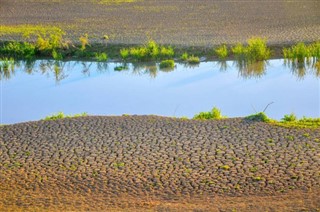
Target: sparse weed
(289,117)
(255,50)
(193,59)
(150,51)
(221,51)
(84,40)
(215,113)
(258,117)
(184,56)
(101,57)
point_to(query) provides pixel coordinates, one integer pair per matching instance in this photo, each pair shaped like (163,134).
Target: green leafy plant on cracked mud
(221,52)
(215,113)
(101,57)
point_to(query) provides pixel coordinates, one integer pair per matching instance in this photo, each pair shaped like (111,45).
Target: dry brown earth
(179,22)
(157,163)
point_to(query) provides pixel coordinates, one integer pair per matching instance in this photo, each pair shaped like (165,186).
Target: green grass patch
(215,113)
(255,50)
(193,60)
(101,57)
(287,121)
(6,68)
(61,115)
(150,51)
(221,52)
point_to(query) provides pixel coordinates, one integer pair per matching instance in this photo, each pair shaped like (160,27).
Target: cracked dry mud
(177,22)
(94,162)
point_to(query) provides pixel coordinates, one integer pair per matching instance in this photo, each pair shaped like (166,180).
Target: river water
(32,91)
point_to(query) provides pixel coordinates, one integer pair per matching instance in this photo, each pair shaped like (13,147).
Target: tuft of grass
(215,113)
(84,40)
(225,167)
(19,50)
(184,56)
(150,51)
(61,115)
(289,117)
(255,50)
(101,57)
(167,64)
(193,59)
(297,52)
(221,52)
(124,53)
(258,117)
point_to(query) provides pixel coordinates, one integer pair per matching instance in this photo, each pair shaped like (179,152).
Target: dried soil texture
(178,22)
(158,163)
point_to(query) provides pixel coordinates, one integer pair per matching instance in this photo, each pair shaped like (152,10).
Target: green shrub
(299,52)
(215,113)
(166,52)
(19,50)
(101,57)
(184,56)
(239,51)
(167,64)
(56,55)
(193,59)
(256,50)
(124,53)
(289,117)
(84,40)
(221,51)
(258,117)
(48,42)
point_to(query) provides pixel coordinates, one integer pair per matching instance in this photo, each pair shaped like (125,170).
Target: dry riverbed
(158,163)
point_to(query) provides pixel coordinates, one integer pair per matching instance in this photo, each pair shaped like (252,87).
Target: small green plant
(255,50)
(19,50)
(61,115)
(124,53)
(299,52)
(150,51)
(119,164)
(258,117)
(221,51)
(84,40)
(167,64)
(56,55)
(257,178)
(215,113)
(184,56)
(289,117)
(225,167)
(193,59)
(101,57)
(253,169)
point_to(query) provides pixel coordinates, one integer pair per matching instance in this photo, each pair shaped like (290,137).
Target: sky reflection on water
(47,87)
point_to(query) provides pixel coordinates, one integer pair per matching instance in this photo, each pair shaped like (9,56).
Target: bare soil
(157,163)
(177,22)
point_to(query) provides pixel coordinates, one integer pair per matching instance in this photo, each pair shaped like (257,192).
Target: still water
(34,90)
